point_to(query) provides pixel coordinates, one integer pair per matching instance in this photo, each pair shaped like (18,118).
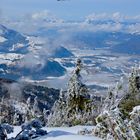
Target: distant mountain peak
(62,52)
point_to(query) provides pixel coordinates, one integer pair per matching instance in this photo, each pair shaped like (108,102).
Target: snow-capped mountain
(12,41)
(105,53)
(19,57)
(62,52)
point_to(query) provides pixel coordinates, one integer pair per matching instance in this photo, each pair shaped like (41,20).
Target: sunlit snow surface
(61,133)
(2,39)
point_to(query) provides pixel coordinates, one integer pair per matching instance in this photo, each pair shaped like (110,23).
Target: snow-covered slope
(12,41)
(62,133)
(2,39)
(20,57)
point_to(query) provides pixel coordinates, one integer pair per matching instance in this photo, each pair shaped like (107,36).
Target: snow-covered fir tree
(132,97)
(16,112)
(75,105)
(29,112)
(35,109)
(119,119)
(134,81)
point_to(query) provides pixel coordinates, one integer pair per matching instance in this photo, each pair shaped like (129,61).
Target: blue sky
(70,9)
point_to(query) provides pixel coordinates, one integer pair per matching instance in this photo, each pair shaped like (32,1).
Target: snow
(9,58)
(16,46)
(67,137)
(2,39)
(61,133)
(135,109)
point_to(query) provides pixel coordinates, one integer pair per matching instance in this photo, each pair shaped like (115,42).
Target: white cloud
(135,28)
(94,17)
(31,61)
(94,22)
(38,56)
(45,16)
(117,17)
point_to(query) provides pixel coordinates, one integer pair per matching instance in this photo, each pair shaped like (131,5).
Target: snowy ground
(62,133)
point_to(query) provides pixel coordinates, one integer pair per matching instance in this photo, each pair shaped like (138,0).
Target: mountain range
(106,53)
(14,50)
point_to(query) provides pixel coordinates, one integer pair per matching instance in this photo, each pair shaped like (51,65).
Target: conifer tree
(36,110)
(29,110)
(133,81)
(73,106)
(132,96)
(112,122)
